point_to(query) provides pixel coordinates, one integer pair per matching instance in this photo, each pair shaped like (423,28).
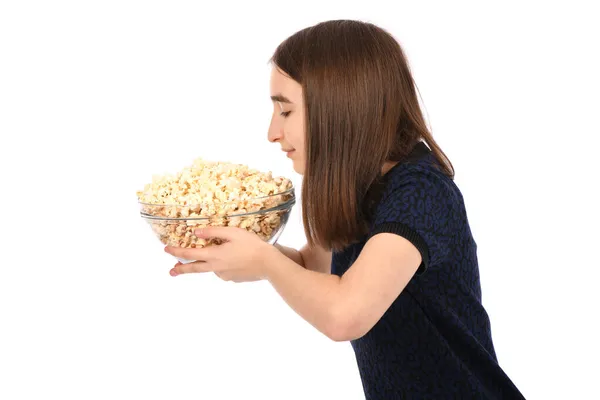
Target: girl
(390,263)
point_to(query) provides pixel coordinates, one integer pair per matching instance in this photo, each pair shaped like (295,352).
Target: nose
(275,133)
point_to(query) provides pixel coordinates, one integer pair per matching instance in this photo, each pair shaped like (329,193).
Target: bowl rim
(288,191)
(286,205)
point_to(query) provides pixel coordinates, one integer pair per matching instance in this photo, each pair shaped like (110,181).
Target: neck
(387,166)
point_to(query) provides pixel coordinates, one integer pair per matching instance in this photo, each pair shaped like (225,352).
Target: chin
(298,168)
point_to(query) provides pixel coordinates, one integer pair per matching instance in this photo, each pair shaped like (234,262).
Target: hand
(243,257)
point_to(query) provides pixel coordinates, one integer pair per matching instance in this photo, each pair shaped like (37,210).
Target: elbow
(345,328)
(341,336)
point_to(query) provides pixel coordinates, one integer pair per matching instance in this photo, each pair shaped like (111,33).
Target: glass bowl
(174,225)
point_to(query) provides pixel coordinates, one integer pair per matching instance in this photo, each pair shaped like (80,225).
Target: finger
(172,271)
(193,267)
(197,254)
(227,233)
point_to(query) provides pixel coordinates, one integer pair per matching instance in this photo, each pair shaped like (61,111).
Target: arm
(347,308)
(312,258)
(292,254)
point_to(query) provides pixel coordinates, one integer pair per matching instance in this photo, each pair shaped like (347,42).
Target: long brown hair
(361,110)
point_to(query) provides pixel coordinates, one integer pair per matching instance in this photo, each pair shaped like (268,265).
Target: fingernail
(172,272)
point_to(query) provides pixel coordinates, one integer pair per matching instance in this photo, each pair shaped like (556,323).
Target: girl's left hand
(242,257)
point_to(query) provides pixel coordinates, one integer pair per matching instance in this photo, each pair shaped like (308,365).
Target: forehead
(284,85)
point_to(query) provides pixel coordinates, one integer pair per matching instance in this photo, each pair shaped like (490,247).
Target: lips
(289,153)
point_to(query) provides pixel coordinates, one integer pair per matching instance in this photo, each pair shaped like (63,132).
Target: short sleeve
(419,206)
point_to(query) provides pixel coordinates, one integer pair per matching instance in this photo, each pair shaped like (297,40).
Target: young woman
(390,263)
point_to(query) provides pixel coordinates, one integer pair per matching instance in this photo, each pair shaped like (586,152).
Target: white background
(95,97)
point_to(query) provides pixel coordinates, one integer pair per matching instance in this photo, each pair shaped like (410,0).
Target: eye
(284,114)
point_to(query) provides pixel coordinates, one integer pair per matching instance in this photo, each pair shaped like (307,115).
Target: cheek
(296,134)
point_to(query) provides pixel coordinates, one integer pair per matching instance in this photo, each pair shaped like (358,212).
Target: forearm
(292,254)
(315,296)
(314,259)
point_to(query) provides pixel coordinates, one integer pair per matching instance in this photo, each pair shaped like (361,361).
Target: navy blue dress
(434,342)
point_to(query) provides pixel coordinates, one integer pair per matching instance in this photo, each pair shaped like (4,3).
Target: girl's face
(287,121)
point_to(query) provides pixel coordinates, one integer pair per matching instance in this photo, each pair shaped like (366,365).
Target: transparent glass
(174,225)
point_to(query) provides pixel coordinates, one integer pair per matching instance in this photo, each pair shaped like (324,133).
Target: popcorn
(209,193)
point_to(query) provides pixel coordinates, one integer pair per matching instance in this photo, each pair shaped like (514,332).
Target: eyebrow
(280,98)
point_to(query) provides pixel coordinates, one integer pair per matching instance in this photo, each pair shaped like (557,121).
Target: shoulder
(423,205)
(413,183)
